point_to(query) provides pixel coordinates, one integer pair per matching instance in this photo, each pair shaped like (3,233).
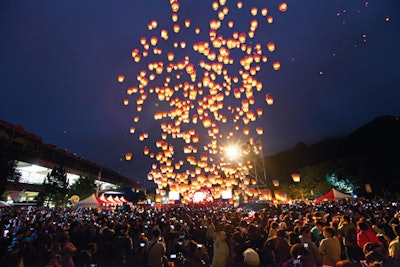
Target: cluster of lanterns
(205,93)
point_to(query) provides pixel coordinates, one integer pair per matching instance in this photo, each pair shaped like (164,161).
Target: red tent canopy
(333,195)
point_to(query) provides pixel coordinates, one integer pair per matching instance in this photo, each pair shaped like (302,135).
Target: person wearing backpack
(155,250)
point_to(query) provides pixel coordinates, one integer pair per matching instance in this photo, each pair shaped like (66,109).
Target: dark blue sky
(60,60)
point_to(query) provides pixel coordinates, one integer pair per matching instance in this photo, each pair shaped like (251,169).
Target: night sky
(60,61)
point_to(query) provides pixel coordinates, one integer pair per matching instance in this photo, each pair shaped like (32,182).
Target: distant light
(198,197)
(226,194)
(232,152)
(173,195)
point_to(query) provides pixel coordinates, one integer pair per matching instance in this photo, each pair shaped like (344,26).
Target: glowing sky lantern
(171,56)
(242,38)
(175,6)
(276,65)
(177,28)
(264,11)
(128,156)
(225,10)
(215,5)
(185,88)
(296,177)
(259,112)
(221,15)
(215,24)
(206,122)
(254,11)
(269,99)
(164,34)
(271,46)
(121,78)
(174,17)
(275,183)
(153,40)
(283,7)
(135,52)
(187,23)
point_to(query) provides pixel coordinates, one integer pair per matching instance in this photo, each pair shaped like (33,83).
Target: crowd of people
(344,233)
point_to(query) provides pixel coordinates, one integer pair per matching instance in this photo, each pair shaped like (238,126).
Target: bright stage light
(173,195)
(226,194)
(198,197)
(233,152)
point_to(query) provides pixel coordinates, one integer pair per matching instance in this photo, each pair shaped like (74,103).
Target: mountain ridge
(372,151)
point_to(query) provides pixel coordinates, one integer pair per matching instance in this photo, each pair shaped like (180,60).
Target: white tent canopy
(89,202)
(4,204)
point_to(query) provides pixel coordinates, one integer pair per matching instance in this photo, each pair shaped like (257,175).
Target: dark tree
(83,187)
(134,196)
(55,188)
(8,166)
